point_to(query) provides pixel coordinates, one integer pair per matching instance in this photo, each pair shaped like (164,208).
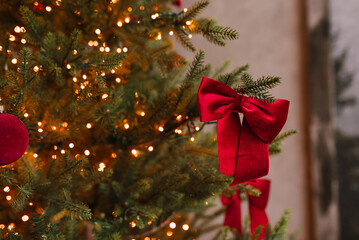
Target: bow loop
(242,150)
(261,201)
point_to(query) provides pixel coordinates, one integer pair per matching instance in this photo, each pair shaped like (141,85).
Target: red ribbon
(242,148)
(257,206)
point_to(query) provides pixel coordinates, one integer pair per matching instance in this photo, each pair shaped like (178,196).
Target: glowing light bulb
(68,66)
(23,41)
(107,49)
(64,124)
(126,126)
(90,43)
(192,139)
(12,38)
(129,9)
(17,29)
(118,80)
(8,197)
(84,76)
(104,96)
(159,36)
(188,23)
(161,129)
(74,51)
(114,155)
(39,123)
(89,125)
(171,33)
(11,226)
(25,218)
(113,71)
(2,226)
(125,49)
(169,233)
(74,79)
(95,43)
(119,23)
(118,50)
(173,225)
(30,204)
(133,224)
(36,69)
(71,145)
(40,130)
(179,117)
(102,49)
(185,10)
(185,227)
(62,151)
(54,156)
(189,35)
(142,114)
(127,20)
(98,31)
(26,115)
(14,61)
(197,129)
(35,155)
(150,148)
(48,8)
(7,189)
(87,152)
(54,128)
(135,152)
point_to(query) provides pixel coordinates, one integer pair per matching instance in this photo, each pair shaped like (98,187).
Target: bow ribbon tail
(233,214)
(257,206)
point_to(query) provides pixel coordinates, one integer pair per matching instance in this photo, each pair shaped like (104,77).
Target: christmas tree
(116,149)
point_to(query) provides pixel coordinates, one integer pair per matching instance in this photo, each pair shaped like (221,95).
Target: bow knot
(242,148)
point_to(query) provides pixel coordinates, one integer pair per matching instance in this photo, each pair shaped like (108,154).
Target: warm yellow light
(142,8)
(179,117)
(62,151)
(95,43)
(102,165)
(82,86)
(7,189)
(114,155)
(8,197)
(169,233)
(104,96)
(118,50)
(171,33)
(17,29)
(98,31)
(23,41)
(12,38)
(142,114)
(64,124)
(30,204)
(135,152)
(55,148)
(118,80)
(107,49)
(54,156)
(125,49)
(74,79)
(102,49)
(54,128)
(192,139)
(68,66)
(173,225)
(126,126)
(119,23)
(74,51)
(36,69)
(71,145)
(39,123)
(185,10)
(129,9)
(127,20)
(185,227)
(197,128)
(150,148)
(153,16)
(147,238)
(133,224)
(48,8)
(40,130)
(113,71)
(89,125)
(25,218)
(11,226)
(87,152)
(14,61)
(35,155)
(26,115)
(189,35)
(84,76)
(23,29)
(159,36)
(90,43)
(103,74)
(188,23)
(2,226)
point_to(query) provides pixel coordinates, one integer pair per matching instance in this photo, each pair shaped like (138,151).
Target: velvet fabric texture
(14,139)
(242,148)
(257,207)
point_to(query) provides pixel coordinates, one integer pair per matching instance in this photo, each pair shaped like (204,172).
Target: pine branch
(182,36)
(193,11)
(263,84)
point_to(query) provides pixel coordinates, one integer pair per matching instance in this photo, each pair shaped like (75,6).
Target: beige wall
(271,43)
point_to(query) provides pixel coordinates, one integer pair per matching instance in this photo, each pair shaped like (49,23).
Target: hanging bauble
(14,138)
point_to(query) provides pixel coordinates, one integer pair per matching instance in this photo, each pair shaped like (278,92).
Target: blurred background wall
(291,39)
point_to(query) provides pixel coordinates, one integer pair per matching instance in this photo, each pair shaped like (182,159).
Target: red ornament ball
(14,139)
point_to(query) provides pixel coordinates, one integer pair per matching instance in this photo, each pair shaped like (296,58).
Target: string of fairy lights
(43,127)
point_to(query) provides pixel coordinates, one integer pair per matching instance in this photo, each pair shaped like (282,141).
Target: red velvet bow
(242,149)
(257,207)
